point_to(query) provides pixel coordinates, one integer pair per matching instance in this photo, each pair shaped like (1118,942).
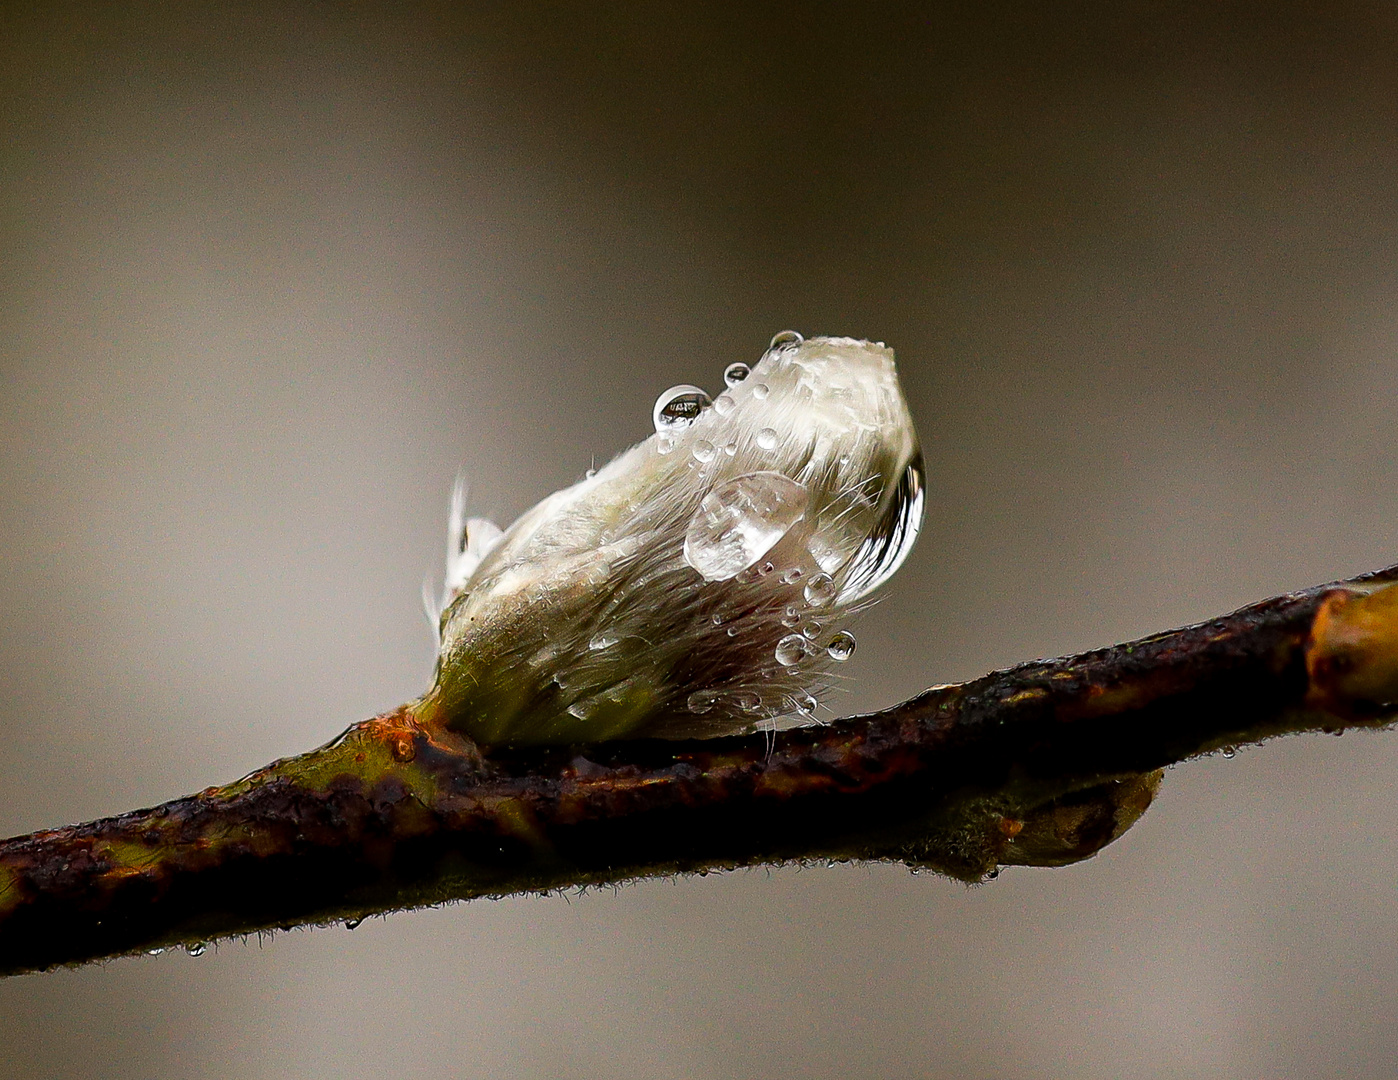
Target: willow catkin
(697,585)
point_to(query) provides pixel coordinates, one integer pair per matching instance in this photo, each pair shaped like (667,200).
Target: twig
(1042,764)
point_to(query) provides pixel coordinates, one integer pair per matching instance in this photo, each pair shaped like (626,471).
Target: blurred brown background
(269,275)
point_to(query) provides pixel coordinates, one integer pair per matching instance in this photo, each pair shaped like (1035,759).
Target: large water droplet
(841,646)
(767,438)
(703,451)
(820,589)
(679,406)
(791,649)
(733,374)
(740,521)
(885,548)
(785,339)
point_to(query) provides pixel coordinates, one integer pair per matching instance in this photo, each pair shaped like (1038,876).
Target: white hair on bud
(697,584)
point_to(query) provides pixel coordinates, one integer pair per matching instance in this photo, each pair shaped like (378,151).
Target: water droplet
(806,705)
(733,374)
(602,641)
(718,618)
(732,631)
(198,948)
(785,339)
(679,406)
(811,629)
(820,590)
(884,550)
(765,569)
(589,474)
(664,444)
(730,448)
(724,404)
(740,521)
(353,924)
(760,391)
(701,701)
(792,576)
(993,874)
(841,646)
(1230,751)
(154,952)
(747,701)
(703,451)
(791,649)
(791,617)
(767,438)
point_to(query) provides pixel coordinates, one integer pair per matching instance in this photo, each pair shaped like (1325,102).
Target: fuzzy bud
(697,585)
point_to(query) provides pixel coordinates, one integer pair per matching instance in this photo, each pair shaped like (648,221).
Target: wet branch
(1042,764)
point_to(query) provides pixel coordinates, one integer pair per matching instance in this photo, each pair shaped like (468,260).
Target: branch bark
(1041,764)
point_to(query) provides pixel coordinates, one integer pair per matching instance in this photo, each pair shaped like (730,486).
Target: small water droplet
(154,952)
(679,406)
(732,631)
(820,589)
(765,569)
(724,404)
(791,617)
(740,521)
(589,474)
(733,374)
(198,948)
(747,701)
(792,576)
(730,448)
(760,391)
(785,339)
(718,618)
(353,924)
(993,874)
(602,641)
(791,649)
(806,705)
(664,444)
(701,701)
(767,438)
(1230,751)
(703,451)
(811,629)
(841,646)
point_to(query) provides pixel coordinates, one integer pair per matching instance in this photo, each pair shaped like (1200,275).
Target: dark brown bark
(1042,764)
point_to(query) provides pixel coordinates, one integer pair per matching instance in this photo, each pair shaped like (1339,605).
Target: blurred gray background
(270,275)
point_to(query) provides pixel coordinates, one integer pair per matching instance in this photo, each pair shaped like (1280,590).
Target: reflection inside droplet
(679,407)
(733,374)
(841,646)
